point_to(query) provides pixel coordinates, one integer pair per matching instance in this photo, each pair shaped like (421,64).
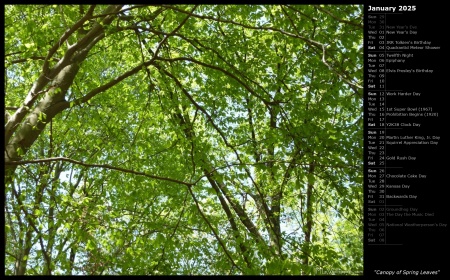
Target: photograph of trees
(183,139)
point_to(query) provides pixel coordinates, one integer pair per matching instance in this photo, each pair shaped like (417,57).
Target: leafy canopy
(183,139)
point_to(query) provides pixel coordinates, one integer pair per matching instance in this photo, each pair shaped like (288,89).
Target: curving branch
(307,40)
(338,18)
(106,166)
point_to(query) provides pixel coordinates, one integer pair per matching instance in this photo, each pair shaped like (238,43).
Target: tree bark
(25,126)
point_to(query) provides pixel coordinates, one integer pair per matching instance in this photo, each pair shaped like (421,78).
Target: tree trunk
(25,126)
(309,216)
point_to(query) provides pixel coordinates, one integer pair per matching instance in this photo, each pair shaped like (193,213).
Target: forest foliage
(183,139)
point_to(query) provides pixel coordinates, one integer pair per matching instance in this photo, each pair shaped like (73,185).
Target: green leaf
(90,245)
(119,242)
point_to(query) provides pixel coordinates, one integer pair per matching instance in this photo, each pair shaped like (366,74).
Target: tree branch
(212,229)
(337,18)
(65,36)
(309,41)
(106,166)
